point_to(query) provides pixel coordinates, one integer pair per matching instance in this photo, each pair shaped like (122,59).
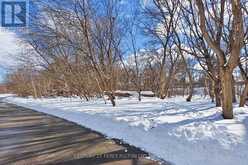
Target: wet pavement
(28,137)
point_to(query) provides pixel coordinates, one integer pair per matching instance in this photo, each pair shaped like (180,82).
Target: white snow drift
(174,130)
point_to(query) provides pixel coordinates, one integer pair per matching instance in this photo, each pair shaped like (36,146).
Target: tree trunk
(166,89)
(233,90)
(139,95)
(34,89)
(244,95)
(191,90)
(86,97)
(112,99)
(168,81)
(165,82)
(217,91)
(162,86)
(209,89)
(227,96)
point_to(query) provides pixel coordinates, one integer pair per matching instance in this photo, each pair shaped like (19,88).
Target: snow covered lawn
(179,132)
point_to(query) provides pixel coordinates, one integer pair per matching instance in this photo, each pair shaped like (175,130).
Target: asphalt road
(28,137)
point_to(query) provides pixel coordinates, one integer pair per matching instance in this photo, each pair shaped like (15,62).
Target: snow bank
(2,96)
(177,131)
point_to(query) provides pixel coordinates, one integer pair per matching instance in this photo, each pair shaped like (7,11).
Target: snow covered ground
(179,132)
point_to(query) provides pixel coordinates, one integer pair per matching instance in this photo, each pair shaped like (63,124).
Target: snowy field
(174,130)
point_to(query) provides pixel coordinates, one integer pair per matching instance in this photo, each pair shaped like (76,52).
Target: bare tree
(160,27)
(194,44)
(235,44)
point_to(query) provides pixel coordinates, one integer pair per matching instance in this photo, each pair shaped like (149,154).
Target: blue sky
(9,50)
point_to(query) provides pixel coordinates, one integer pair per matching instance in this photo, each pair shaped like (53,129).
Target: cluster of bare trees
(92,48)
